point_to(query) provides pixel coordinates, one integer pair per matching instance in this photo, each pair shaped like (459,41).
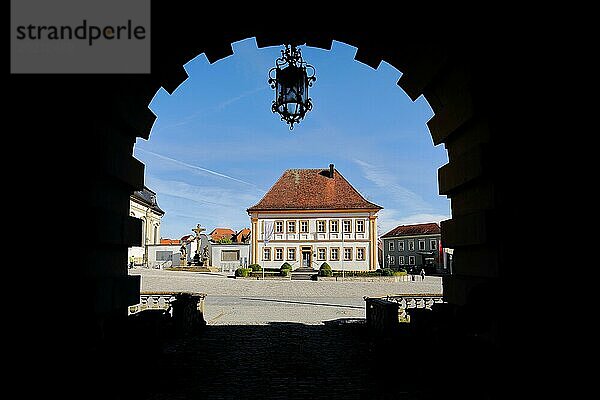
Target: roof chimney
(331,171)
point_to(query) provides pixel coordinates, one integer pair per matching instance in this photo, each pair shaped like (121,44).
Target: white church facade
(143,205)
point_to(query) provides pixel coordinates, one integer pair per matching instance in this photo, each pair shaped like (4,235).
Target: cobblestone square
(256,302)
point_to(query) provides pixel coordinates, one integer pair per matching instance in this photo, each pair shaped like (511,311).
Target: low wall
(385,313)
(186,309)
(382,315)
(390,279)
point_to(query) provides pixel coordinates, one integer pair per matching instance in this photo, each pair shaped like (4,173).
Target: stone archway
(448,78)
(90,123)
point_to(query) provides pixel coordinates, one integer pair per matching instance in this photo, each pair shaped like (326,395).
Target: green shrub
(387,272)
(242,272)
(255,267)
(285,269)
(325,270)
(400,272)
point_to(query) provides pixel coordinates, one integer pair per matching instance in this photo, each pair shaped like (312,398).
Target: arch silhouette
(92,122)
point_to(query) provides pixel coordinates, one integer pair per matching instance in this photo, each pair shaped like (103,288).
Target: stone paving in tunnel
(275,361)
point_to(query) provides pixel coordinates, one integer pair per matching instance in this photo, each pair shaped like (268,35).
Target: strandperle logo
(80,36)
(84,31)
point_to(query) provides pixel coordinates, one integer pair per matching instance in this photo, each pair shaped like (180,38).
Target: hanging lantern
(290,80)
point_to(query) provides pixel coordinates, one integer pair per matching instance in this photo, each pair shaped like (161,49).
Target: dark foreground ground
(338,360)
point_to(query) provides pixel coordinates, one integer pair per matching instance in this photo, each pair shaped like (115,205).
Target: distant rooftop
(411,230)
(148,198)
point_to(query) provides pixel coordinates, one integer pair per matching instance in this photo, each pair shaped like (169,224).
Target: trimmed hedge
(242,272)
(285,269)
(255,267)
(325,270)
(379,272)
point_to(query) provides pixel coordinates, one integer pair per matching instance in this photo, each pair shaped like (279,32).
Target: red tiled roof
(419,229)
(312,189)
(170,241)
(241,235)
(219,233)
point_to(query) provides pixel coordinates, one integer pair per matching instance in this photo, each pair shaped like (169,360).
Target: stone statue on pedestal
(205,256)
(183,256)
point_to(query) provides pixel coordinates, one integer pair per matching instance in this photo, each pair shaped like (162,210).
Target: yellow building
(312,216)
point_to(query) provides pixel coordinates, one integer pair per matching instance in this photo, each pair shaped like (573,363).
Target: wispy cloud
(224,104)
(211,110)
(197,168)
(212,206)
(402,197)
(215,196)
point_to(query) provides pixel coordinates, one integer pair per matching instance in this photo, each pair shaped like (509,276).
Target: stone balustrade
(384,314)
(185,309)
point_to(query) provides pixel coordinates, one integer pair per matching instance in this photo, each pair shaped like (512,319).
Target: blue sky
(216,147)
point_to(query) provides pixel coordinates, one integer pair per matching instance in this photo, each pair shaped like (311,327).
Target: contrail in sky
(197,168)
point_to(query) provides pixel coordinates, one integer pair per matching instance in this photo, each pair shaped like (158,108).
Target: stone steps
(303,274)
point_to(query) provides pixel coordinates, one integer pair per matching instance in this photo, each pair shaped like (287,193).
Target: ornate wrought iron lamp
(291,81)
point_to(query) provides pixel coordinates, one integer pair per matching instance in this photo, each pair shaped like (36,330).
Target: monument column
(255,234)
(373,242)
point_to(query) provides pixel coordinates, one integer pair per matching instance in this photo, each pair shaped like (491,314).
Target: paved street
(257,302)
(290,340)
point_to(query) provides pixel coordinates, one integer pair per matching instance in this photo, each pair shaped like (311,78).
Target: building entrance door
(306,258)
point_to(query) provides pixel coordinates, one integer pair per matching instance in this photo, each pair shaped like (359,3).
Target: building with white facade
(312,216)
(228,257)
(143,205)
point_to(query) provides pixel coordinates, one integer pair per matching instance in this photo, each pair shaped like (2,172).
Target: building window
(347,226)
(291,254)
(360,254)
(303,226)
(392,260)
(156,239)
(266,254)
(321,226)
(411,260)
(347,253)
(391,246)
(401,260)
(433,244)
(291,226)
(400,245)
(321,253)
(334,226)
(411,245)
(360,226)
(421,245)
(278,226)
(279,254)
(230,255)
(334,254)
